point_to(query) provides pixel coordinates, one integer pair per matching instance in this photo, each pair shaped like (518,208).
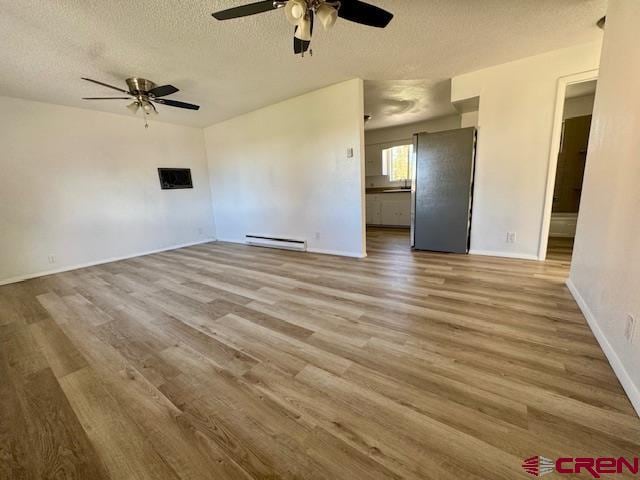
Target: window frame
(387,160)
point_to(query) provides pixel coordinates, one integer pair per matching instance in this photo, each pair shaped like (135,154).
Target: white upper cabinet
(373,160)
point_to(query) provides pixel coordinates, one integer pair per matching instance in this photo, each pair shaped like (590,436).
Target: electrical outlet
(52,258)
(200,231)
(630,328)
(511,237)
(317,235)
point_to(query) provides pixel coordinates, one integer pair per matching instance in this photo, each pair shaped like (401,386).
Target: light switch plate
(349,152)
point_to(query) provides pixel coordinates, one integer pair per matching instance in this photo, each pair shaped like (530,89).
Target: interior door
(571,163)
(444,177)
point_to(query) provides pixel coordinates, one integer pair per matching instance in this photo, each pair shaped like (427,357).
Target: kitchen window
(396,162)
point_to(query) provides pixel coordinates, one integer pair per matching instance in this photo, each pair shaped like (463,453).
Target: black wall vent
(175,178)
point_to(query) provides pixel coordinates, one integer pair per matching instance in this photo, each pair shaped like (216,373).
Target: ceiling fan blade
(364,13)
(175,103)
(245,10)
(106,98)
(163,90)
(301,46)
(106,85)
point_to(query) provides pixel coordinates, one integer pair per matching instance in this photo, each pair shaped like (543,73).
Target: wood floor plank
(62,356)
(469,452)
(44,437)
(235,362)
(16,459)
(354,426)
(122,446)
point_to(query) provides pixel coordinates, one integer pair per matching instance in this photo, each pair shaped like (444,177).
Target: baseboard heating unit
(273,242)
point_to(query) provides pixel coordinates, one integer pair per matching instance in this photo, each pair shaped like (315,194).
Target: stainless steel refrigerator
(442,189)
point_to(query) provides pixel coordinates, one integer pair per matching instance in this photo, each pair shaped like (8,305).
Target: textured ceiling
(396,102)
(237,66)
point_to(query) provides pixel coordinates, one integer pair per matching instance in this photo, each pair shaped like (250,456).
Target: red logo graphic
(596,467)
(538,466)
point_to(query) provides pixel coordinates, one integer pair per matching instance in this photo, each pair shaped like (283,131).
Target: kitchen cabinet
(389,209)
(373,160)
(373,210)
(394,211)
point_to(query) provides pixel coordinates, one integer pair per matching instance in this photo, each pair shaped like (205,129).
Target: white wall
(83,186)
(405,132)
(515,117)
(382,138)
(605,272)
(283,171)
(578,106)
(469,119)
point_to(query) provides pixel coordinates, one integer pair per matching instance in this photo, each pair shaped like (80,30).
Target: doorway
(569,173)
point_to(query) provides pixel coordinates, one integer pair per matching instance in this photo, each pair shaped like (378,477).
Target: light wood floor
(560,249)
(224,361)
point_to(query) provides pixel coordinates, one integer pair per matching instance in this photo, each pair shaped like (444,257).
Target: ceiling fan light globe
(295,11)
(304,30)
(327,16)
(148,109)
(134,106)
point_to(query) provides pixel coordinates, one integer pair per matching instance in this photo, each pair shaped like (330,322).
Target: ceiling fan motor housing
(139,86)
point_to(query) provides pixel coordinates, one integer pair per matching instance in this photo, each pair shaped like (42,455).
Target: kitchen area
(388,183)
(422,182)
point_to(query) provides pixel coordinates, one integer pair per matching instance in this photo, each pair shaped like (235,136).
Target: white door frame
(563,83)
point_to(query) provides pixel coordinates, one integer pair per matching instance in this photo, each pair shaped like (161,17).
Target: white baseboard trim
(630,388)
(491,253)
(338,253)
(28,276)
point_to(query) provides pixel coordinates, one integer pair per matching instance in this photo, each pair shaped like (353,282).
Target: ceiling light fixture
(149,108)
(143,93)
(303,32)
(295,11)
(134,106)
(301,14)
(327,15)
